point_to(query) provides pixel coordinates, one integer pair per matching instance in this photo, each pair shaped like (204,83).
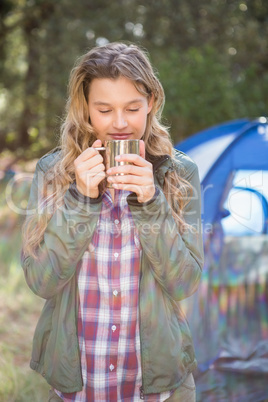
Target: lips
(120,136)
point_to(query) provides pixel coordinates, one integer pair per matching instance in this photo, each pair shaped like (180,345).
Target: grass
(20,309)
(19,313)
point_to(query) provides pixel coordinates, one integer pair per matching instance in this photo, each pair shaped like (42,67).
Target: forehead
(121,88)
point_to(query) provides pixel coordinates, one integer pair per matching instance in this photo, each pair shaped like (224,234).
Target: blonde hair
(109,61)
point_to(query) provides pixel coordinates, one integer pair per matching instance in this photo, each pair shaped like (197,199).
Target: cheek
(140,121)
(143,120)
(96,120)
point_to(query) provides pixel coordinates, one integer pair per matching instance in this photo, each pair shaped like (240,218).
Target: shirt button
(113,328)
(111,367)
(116,255)
(115,293)
(116,221)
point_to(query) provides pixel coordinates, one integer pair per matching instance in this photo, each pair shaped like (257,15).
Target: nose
(119,121)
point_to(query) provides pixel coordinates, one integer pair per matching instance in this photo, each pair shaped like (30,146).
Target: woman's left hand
(137,177)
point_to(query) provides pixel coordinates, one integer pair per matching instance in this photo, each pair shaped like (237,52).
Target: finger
(90,163)
(89,152)
(91,179)
(94,179)
(87,176)
(130,179)
(143,194)
(142,149)
(132,158)
(92,172)
(130,169)
(85,155)
(93,183)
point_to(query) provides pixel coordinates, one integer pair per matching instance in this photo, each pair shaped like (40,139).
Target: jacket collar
(157,161)
(161,164)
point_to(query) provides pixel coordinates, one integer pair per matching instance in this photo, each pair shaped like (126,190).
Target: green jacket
(171,266)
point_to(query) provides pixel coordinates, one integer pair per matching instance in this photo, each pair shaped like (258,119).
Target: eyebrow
(100,103)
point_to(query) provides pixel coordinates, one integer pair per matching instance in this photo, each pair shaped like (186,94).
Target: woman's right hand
(89,171)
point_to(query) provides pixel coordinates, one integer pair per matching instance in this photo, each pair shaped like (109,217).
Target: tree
(209,55)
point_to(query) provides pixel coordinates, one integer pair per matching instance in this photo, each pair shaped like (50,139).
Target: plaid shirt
(108,321)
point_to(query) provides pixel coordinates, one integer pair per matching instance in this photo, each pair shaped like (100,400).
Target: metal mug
(114,148)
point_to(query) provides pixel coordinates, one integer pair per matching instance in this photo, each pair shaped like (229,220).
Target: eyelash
(129,110)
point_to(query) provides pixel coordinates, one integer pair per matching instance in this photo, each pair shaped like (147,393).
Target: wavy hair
(109,61)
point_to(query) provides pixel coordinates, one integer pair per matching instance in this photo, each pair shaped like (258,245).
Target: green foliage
(14,194)
(211,58)
(195,98)
(251,87)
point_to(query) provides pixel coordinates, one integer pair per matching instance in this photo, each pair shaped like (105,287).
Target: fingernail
(109,171)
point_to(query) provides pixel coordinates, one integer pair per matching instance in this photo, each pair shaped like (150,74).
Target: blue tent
(228,315)
(222,150)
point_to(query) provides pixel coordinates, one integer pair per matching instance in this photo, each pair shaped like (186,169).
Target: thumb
(96,144)
(142,149)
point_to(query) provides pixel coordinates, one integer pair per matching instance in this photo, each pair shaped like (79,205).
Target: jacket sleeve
(176,260)
(66,238)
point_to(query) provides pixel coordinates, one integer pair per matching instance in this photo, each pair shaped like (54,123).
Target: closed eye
(134,110)
(104,111)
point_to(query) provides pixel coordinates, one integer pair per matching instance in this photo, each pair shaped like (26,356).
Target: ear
(150,103)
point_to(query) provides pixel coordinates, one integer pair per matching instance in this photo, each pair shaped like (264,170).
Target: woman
(113,263)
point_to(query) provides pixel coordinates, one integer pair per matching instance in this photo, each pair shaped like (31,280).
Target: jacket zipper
(141,393)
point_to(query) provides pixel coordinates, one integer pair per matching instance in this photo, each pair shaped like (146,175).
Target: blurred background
(212,59)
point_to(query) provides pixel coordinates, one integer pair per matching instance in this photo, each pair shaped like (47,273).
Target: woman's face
(117,110)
